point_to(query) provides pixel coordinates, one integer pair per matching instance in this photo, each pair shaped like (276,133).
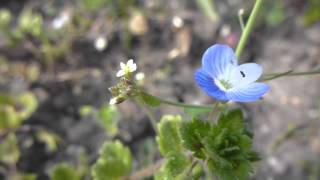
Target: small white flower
(127,68)
(113,101)
(100,43)
(177,22)
(61,20)
(140,76)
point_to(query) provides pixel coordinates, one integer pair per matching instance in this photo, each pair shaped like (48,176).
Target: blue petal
(206,83)
(245,74)
(249,93)
(216,59)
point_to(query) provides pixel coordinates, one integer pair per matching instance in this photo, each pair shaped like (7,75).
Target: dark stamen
(242,73)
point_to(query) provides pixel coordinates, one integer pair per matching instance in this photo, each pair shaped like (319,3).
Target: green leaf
(176,164)
(109,116)
(64,171)
(50,139)
(86,110)
(175,167)
(232,120)
(114,162)
(28,103)
(169,138)
(96,4)
(192,132)
(28,176)
(9,150)
(150,100)
(10,118)
(15,109)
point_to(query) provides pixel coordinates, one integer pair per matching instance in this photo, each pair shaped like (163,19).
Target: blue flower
(223,79)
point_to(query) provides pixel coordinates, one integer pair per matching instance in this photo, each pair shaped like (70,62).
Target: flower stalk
(248,27)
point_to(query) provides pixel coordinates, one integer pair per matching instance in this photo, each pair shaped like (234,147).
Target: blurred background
(58,58)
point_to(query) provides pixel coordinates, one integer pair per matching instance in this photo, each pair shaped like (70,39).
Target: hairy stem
(147,171)
(149,113)
(213,111)
(248,28)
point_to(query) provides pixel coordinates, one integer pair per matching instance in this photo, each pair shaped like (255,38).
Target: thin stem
(147,171)
(213,111)
(149,113)
(193,165)
(240,16)
(249,26)
(184,105)
(271,76)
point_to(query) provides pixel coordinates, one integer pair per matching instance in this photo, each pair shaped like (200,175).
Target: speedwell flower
(127,68)
(223,79)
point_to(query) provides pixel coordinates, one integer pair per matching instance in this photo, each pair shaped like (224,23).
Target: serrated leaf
(176,164)
(174,168)
(114,162)
(150,100)
(64,171)
(192,132)
(109,117)
(168,137)
(232,120)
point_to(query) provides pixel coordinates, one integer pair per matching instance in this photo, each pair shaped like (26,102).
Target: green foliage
(15,109)
(150,100)
(312,14)
(275,13)
(5,18)
(226,146)
(109,117)
(64,171)
(9,150)
(168,138)
(96,4)
(50,139)
(114,162)
(192,132)
(175,166)
(86,110)
(30,22)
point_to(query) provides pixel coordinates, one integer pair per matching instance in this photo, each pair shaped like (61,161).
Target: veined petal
(206,83)
(248,93)
(245,74)
(216,59)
